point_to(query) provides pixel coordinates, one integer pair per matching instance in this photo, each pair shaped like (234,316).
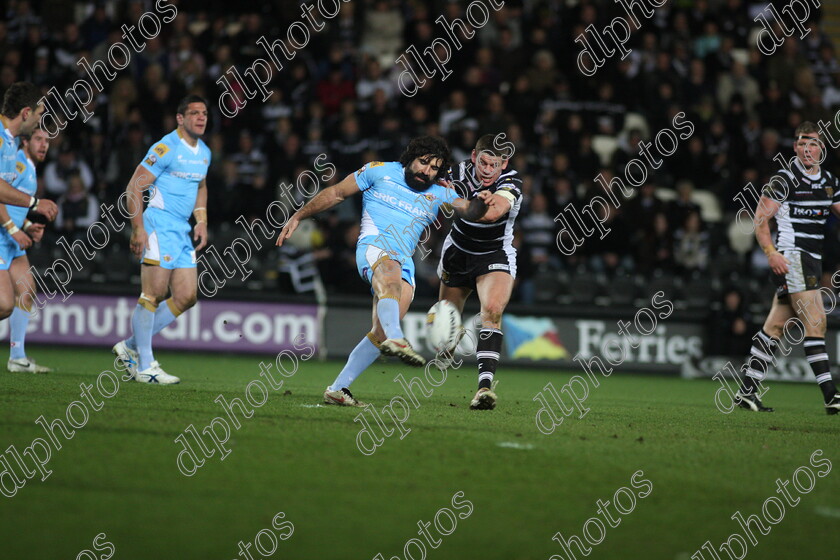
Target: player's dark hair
(185,102)
(19,96)
(427,145)
(487,144)
(807,127)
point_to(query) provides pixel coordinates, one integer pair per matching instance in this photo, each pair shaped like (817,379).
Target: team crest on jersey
(166,258)
(152,159)
(20,167)
(829,191)
(429,197)
(161,149)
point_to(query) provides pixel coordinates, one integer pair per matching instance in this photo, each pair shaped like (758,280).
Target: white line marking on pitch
(311,406)
(828,511)
(515,445)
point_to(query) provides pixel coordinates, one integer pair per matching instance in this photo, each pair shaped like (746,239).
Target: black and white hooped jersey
(480,238)
(806,202)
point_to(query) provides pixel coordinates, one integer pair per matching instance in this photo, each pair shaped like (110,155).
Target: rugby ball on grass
(443,323)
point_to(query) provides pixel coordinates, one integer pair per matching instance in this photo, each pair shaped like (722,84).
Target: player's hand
(36,232)
(288,230)
(23,240)
(444,183)
(200,235)
(488,197)
(47,208)
(778,263)
(138,242)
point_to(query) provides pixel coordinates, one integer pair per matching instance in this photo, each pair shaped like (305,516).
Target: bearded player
(399,200)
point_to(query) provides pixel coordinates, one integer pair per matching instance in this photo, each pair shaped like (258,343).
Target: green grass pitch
(118,475)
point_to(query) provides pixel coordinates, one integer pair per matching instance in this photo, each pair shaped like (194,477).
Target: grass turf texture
(118,474)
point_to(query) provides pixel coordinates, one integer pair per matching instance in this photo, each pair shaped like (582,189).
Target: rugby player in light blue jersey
(399,200)
(175,171)
(20,114)
(18,237)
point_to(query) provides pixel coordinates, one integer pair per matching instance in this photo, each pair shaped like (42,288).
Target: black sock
(761,356)
(818,360)
(487,351)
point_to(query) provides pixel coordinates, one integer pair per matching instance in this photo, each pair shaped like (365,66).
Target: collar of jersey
(187,144)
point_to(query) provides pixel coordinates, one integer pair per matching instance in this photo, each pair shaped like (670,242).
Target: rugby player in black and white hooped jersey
(800,198)
(479,255)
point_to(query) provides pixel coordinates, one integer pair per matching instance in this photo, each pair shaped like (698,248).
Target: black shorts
(804,272)
(459,269)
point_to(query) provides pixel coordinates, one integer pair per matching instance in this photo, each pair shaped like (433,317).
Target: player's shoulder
(378,169)
(166,144)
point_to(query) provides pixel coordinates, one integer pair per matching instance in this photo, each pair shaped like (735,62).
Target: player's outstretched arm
(764,212)
(499,207)
(475,209)
(140,181)
(23,240)
(324,200)
(13,197)
(200,213)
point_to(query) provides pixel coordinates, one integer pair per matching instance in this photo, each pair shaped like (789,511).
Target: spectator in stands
(730,326)
(682,206)
(691,245)
(250,160)
(77,209)
(655,251)
(58,172)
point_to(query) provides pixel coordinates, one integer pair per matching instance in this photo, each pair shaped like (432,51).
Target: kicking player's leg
(393,301)
(762,353)
(494,289)
(23,283)
(808,307)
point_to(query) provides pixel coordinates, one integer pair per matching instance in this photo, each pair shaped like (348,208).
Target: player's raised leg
(494,291)
(388,286)
(23,283)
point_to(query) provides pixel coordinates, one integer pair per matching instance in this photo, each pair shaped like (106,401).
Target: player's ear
(472,156)
(504,164)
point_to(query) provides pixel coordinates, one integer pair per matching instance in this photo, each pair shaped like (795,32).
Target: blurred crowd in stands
(517,75)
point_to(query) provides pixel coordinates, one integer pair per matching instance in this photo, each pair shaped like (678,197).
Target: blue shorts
(9,250)
(169,243)
(369,255)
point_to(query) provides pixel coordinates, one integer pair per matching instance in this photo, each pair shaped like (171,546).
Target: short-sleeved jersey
(8,153)
(393,211)
(25,180)
(178,168)
(481,238)
(806,202)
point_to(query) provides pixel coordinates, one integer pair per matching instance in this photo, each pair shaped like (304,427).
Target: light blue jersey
(8,153)
(9,248)
(178,168)
(394,216)
(26,181)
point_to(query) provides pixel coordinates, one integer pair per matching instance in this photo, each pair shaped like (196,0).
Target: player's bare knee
(185,301)
(6,308)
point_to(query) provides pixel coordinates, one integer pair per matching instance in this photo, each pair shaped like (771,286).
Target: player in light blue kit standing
(174,171)
(399,200)
(21,112)
(19,236)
